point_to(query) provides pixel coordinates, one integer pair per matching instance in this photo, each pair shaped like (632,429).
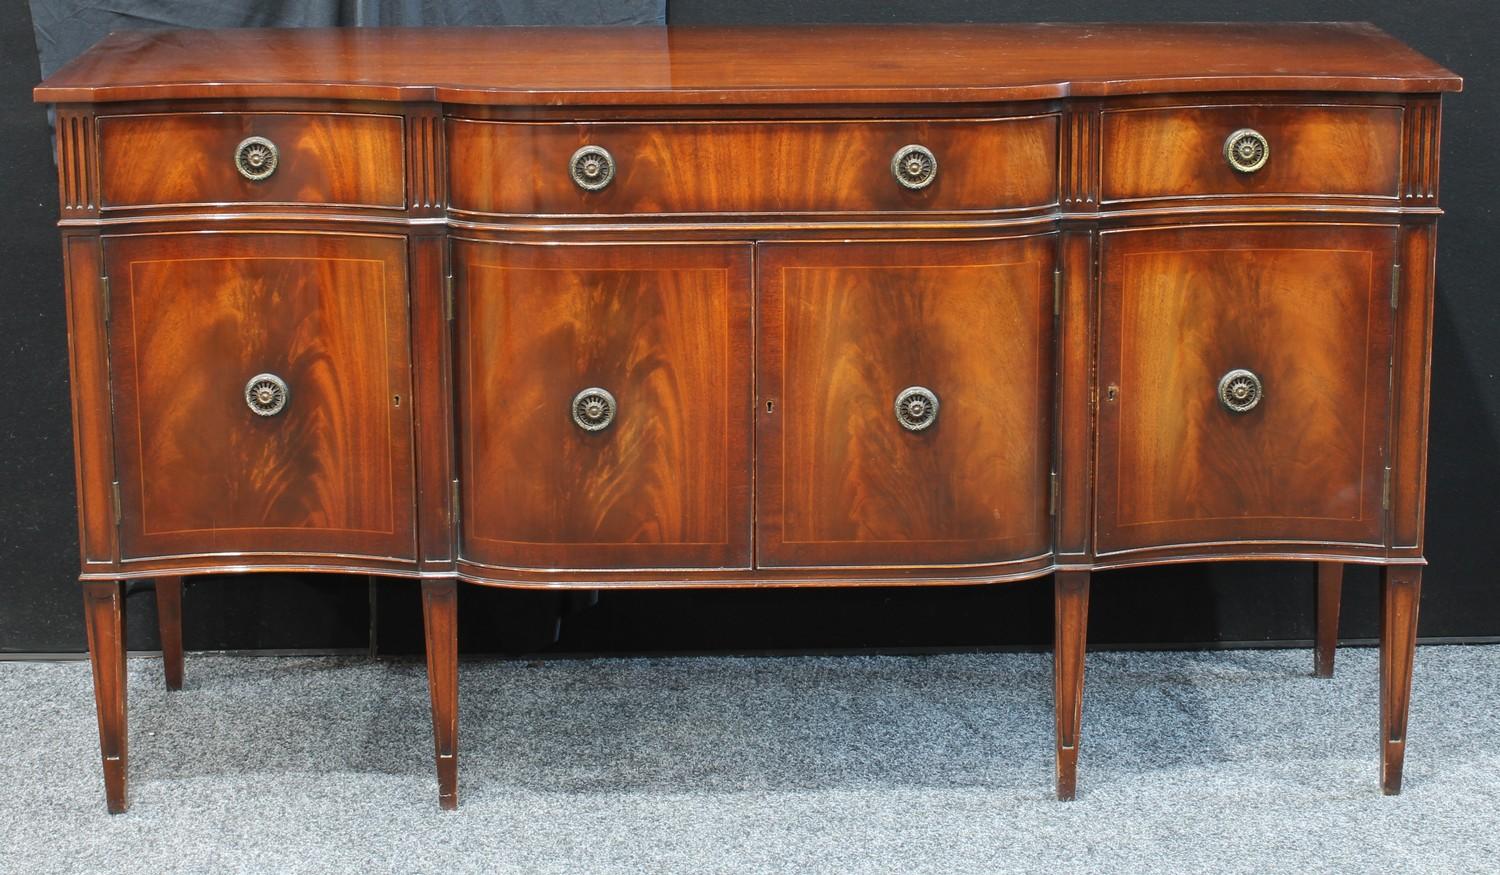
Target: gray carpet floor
(1192,762)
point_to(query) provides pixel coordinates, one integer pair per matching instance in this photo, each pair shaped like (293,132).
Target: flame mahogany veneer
(611,308)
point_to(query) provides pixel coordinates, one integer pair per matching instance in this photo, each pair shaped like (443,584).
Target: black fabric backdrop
(1174,606)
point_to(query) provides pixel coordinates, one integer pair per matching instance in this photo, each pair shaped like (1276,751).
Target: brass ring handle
(594,409)
(916,408)
(914,166)
(592,168)
(267,394)
(255,158)
(1240,391)
(1246,150)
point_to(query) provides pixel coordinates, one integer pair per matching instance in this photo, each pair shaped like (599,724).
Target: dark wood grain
(1307,309)
(666,168)
(1400,596)
(169,627)
(1070,639)
(104,616)
(726,65)
(843,330)
(194,318)
(324,159)
(666,330)
(1330,593)
(1314,150)
(440,622)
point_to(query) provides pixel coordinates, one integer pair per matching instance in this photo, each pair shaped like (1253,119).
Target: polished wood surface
(754,287)
(194,317)
(104,616)
(844,328)
(766,65)
(753,167)
(1307,310)
(666,330)
(169,627)
(440,623)
(1313,150)
(340,159)
(1330,593)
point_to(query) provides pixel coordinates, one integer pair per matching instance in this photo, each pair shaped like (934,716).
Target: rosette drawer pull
(592,168)
(255,158)
(594,409)
(267,394)
(916,408)
(1246,150)
(1240,391)
(914,166)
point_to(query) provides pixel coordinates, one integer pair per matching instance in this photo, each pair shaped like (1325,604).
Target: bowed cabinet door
(905,402)
(604,404)
(1244,386)
(262,389)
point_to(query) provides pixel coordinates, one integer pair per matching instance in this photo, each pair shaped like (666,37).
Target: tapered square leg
(104,616)
(1071,593)
(169,624)
(1400,592)
(1330,591)
(440,618)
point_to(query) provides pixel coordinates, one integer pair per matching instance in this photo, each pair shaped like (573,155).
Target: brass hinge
(1385,490)
(448,300)
(1395,285)
(115,489)
(1052,494)
(1057,291)
(104,297)
(453,511)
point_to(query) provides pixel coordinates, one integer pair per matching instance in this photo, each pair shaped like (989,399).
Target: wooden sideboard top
(862,64)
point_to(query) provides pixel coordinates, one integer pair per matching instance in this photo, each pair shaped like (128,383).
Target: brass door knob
(267,394)
(594,409)
(255,158)
(1246,150)
(592,168)
(1240,391)
(916,408)
(914,166)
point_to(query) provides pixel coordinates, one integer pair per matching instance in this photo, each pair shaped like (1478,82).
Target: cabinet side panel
(1075,413)
(1413,364)
(432,405)
(93,444)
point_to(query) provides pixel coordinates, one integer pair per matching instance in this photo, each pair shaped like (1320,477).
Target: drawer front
(1244,385)
(262,393)
(604,405)
(848,474)
(753,167)
(1302,151)
(265,158)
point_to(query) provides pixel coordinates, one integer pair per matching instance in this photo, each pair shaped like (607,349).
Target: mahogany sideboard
(813,306)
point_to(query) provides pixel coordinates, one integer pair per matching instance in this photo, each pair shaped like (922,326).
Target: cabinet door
(846,475)
(604,404)
(315,455)
(1294,323)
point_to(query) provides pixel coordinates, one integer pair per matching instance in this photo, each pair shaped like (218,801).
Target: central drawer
(786,167)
